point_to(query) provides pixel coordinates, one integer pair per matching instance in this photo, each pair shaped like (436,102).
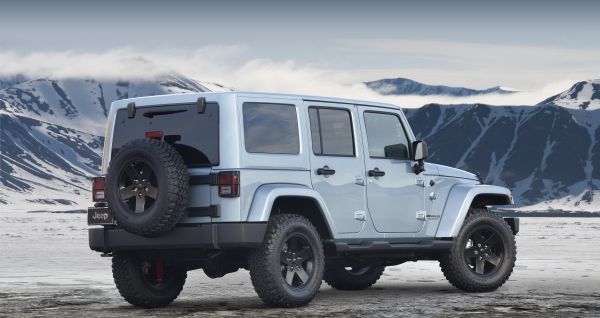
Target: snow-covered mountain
(51,135)
(51,139)
(582,95)
(404,86)
(548,156)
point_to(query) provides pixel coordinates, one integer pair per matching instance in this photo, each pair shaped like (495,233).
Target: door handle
(376,173)
(325,171)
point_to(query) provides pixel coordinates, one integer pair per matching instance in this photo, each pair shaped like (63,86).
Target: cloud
(226,65)
(477,65)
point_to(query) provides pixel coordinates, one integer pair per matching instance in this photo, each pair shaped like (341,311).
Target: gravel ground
(48,270)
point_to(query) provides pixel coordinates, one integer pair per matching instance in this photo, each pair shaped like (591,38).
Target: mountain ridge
(582,95)
(405,86)
(52,135)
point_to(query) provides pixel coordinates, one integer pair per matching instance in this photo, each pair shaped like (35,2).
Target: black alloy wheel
(484,250)
(297,260)
(138,187)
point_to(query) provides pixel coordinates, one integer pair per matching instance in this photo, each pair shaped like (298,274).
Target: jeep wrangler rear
(295,189)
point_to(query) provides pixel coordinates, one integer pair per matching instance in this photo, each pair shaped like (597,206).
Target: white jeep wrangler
(296,189)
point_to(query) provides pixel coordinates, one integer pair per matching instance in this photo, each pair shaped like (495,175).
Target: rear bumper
(198,236)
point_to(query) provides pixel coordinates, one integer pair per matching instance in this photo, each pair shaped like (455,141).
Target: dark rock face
(541,152)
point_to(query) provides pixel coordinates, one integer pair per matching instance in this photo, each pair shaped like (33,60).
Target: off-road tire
(453,263)
(133,287)
(340,278)
(172,183)
(265,266)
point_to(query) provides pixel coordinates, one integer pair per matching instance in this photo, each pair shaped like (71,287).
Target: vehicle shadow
(326,298)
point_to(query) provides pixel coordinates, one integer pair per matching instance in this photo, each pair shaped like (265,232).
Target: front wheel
(147,283)
(483,255)
(287,269)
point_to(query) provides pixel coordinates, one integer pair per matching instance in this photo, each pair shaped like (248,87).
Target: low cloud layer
(226,65)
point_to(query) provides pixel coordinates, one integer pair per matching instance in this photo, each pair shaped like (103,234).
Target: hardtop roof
(177,98)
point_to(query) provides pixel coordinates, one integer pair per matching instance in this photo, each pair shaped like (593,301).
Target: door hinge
(360,215)
(360,180)
(421,183)
(421,215)
(432,196)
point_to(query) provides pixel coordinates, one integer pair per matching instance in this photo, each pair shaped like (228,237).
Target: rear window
(271,128)
(194,135)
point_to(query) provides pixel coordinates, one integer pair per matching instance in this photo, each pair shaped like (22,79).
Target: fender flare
(458,203)
(266,194)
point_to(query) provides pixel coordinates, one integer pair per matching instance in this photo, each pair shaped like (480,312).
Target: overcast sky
(528,45)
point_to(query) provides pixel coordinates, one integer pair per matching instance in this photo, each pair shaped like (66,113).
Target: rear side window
(386,136)
(271,128)
(331,131)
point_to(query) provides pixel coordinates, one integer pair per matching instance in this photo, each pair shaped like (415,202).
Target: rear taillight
(156,134)
(229,184)
(98,189)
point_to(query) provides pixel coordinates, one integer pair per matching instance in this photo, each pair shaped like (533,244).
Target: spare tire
(147,187)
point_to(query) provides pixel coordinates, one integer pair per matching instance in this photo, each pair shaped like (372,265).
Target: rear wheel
(147,283)
(352,278)
(483,255)
(287,269)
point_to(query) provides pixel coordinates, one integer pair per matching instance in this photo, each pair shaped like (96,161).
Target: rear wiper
(151,114)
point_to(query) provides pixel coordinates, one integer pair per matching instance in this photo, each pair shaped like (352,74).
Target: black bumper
(198,236)
(513,223)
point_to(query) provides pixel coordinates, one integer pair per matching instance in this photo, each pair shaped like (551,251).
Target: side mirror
(419,150)
(419,154)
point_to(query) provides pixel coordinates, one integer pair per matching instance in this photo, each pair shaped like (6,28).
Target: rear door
(180,125)
(395,197)
(337,164)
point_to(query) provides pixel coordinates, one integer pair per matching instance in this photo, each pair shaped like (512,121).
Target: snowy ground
(48,270)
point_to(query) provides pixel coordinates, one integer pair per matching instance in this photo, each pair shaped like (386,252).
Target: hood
(445,171)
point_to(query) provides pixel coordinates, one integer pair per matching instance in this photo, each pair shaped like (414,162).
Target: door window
(386,136)
(331,131)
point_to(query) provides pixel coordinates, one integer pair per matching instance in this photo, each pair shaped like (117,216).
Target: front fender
(458,203)
(265,196)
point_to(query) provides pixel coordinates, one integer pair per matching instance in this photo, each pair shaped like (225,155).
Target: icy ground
(47,270)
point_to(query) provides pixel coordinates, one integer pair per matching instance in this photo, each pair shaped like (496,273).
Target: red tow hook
(160,272)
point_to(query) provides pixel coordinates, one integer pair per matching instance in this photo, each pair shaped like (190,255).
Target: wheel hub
(484,251)
(297,261)
(138,186)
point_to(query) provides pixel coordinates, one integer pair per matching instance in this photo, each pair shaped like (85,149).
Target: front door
(395,200)
(337,165)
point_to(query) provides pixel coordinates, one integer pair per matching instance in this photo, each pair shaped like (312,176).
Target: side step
(385,246)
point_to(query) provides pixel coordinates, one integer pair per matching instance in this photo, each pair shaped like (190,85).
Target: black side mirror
(419,155)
